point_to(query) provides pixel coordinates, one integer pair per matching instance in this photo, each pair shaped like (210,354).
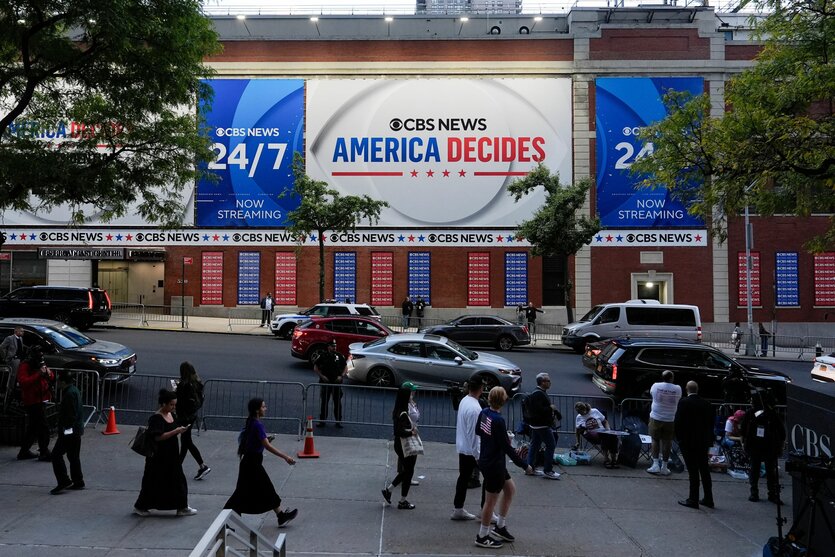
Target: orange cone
(111,428)
(309,451)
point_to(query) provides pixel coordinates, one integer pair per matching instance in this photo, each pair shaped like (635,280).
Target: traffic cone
(111,428)
(309,451)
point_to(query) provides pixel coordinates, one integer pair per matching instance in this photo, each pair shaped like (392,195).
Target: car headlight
(515,371)
(105,361)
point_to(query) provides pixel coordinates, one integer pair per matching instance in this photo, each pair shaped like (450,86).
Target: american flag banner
(486,424)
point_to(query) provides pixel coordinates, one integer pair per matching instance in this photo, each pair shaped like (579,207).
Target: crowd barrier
(143,314)
(778,345)
(225,402)
(249,317)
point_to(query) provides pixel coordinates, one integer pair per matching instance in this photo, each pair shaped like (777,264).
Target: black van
(76,306)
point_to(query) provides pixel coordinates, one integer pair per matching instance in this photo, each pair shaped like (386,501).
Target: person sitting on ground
(588,424)
(733,429)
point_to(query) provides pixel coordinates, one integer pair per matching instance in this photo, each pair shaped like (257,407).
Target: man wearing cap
(540,418)
(467,444)
(70,430)
(331,368)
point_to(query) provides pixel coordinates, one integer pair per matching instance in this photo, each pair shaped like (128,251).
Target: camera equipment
(811,467)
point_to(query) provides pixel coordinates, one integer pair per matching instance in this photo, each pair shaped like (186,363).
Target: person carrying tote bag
(406,440)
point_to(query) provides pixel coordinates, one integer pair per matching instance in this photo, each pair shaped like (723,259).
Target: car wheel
(380,377)
(316,351)
(62,317)
(505,343)
(489,381)
(84,325)
(286,330)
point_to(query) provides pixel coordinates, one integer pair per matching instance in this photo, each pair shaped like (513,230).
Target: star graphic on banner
(509,238)
(109,237)
(462,173)
(32,237)
(414,173)
(401,238)
(13,236)
(499,238)
(313,237)
(698,237)
(128,237)
(598,238)
(226,237)
(619,238)
(23,235)
(446,173)
(215,237)
(421,238)
(609,238)
(118,237)
(205,237)
(411,238)
(430,173)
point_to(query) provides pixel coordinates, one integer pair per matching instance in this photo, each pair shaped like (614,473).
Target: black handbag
(143,443)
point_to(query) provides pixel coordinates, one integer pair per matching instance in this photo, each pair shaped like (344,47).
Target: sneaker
(141,512)
(387,495)
(405,505)
(60,487)
(462,514)
(552,475)
(488,542)
(503,534)
(655,468)
(536,472)
(284,518)
(77,486)
(188,511)
(665,471)
(493,520)
(414,482)
(202,472)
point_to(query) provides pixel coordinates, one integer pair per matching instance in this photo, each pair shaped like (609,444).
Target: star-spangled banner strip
(650,238)
(198,237)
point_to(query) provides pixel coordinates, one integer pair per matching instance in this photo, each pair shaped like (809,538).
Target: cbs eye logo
(396,124)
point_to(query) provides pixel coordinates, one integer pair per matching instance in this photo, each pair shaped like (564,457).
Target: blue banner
(256,125)
(515,278)
(345,276)
(249,273)
(788,290)
(624,105)
(419,276)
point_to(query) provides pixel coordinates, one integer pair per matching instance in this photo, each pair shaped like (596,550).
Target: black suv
(76,306)
(627,368)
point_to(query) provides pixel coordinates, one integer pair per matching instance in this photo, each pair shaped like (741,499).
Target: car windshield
(66,337)
(466,352)
(591,314)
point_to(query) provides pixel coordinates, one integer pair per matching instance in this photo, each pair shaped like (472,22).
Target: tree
(773,149)
(322,209)
(555,228)
(97,105)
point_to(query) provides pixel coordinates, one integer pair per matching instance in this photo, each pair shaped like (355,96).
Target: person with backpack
(763,437)
(540,416)
(189,401)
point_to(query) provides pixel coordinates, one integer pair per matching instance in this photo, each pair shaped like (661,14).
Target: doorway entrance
(653,286)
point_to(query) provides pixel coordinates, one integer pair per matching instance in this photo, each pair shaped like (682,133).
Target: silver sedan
(428,359)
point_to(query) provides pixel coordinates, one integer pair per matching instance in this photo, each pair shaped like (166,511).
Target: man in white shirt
(665,396)
(467,445)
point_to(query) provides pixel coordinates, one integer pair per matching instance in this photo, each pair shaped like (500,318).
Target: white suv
(283,325)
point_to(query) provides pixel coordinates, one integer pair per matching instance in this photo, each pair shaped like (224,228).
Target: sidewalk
(591,512)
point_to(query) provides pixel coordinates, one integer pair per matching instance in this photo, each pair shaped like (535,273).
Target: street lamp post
(749,242)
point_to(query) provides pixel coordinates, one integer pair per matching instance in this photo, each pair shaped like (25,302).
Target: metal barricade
(132,312)
(168,314)
(545,332)
(639,407)
(229,534)
(89,385)
(250,317)
(7,385)
(135,399)
(395,322)
(225,402)
(565,404)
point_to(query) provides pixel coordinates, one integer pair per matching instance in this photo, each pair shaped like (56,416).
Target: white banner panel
(649,238)
(440,151)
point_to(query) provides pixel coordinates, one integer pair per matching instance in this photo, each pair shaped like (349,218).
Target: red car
(311,338)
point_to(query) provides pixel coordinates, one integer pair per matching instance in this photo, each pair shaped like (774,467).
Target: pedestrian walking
(736,337)
(267,305)
(189,402)
(420,306)
(164,485)
(764,335)
(530,316)
(254,492)
(763,437)
(541,416)
(665,396)
(12,349)
(694,430)
(467,445)
(405,436)
(331,368)
(70,430)
(406,310)
(495,448)
(35,380)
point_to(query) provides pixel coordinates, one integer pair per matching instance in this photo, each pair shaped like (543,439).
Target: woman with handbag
(407,445)
(189,401)
(164,485)
(254,492)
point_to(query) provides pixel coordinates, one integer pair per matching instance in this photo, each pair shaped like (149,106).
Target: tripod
(790,546)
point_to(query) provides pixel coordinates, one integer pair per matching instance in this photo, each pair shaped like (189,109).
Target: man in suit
(12,349)
(266,309)
(694,430)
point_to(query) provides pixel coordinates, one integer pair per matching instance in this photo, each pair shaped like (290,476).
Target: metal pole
(183,294)
(749,344)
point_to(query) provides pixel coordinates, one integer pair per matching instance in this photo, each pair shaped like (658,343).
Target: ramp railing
(230,535)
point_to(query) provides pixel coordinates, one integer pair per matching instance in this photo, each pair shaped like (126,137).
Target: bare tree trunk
(568,287)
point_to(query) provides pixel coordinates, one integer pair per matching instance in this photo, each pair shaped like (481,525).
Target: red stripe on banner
(500,173)
(366,174)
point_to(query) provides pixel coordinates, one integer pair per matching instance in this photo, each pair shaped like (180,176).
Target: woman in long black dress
(254,492)
(164,485)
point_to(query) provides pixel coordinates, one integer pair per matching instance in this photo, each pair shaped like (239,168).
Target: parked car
(593,350)
(484,330)
(627,368)
(282,325)
(65,347)
(76,306)
(428,359)
(823,368)
(635,318)
(311,338)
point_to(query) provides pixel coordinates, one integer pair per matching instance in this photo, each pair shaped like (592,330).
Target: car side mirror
(459,360)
